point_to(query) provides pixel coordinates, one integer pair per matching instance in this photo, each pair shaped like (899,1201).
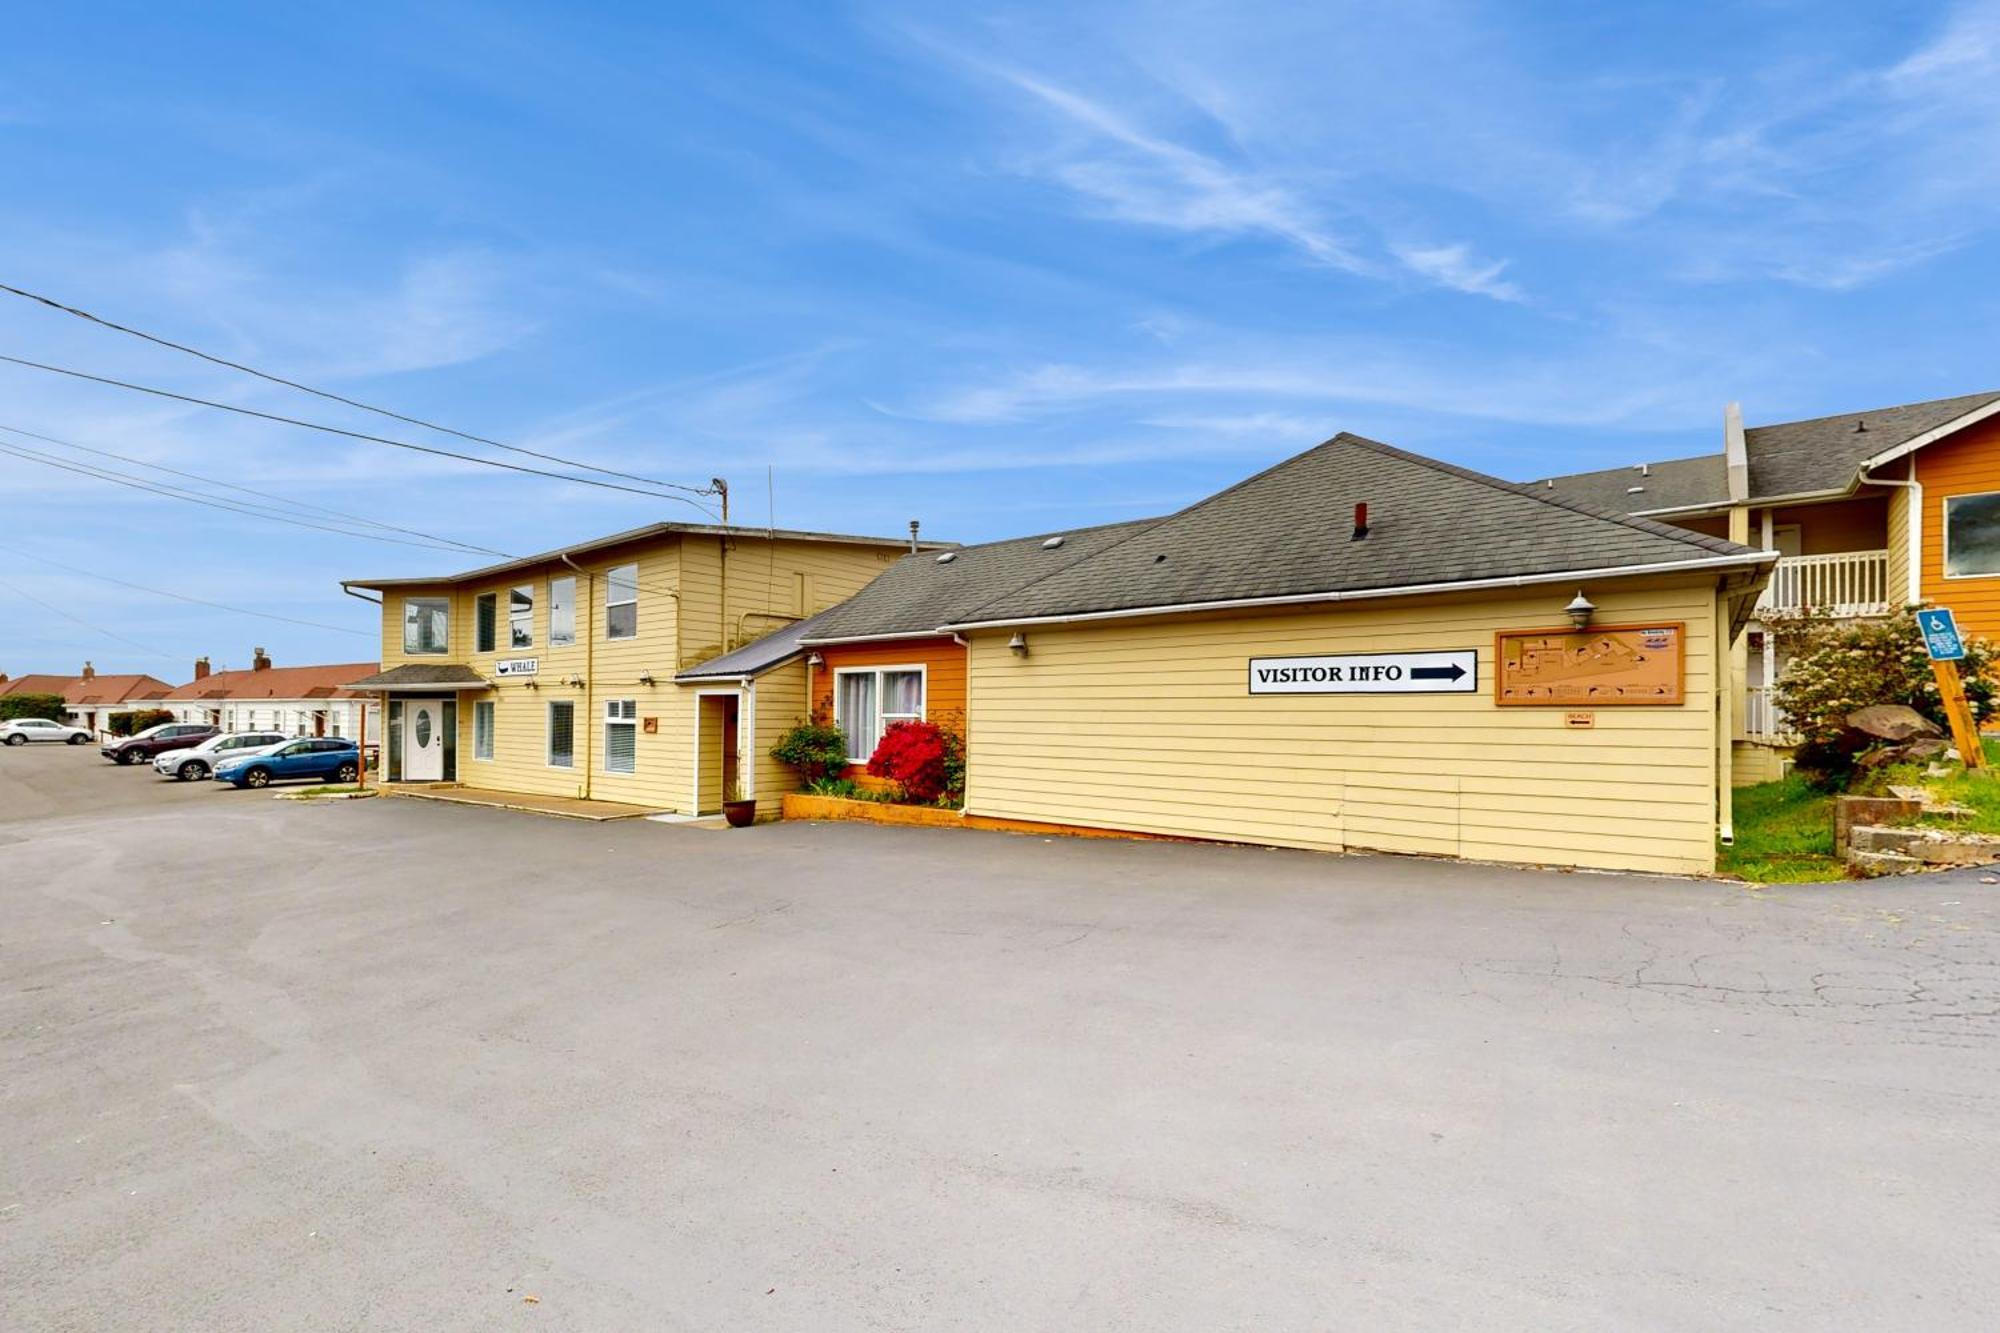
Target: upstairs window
(484,613)
(426,626)
(521,617)
(621,602)
(1971,535)
(562,612)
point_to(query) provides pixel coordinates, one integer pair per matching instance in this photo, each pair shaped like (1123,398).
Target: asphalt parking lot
(389,1064)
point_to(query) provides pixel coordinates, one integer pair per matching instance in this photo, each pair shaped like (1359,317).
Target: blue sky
(1004,269)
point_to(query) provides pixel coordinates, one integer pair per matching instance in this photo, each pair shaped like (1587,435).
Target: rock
(1892,722)
(1926,747)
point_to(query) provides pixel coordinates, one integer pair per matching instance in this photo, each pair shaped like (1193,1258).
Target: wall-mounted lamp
(1018,645)
(574,682)
(646,678)
(815,660)
(1580,610)
(532,684)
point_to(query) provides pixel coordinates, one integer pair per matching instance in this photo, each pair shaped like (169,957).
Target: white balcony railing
(1761,719)
(1847,583)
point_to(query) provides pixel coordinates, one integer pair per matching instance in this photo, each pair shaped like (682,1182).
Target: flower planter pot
(740,814)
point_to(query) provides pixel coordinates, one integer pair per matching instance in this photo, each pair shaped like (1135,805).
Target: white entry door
(423,741)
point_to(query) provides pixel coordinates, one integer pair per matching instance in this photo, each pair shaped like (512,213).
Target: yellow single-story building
(1365,648)
(652,667)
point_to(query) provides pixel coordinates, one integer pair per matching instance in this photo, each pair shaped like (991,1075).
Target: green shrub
(50,706)
(136,721)
(1837,666)
(845,788)
(817,750)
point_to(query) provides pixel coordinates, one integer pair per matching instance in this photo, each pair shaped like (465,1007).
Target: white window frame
(519,636)
(487,705)
(621,713)
(882,720)
(549,733)
(559,637)
(611,597)
(408,651)
(1944,549)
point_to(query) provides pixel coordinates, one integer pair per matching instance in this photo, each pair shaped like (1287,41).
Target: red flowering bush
(922,759)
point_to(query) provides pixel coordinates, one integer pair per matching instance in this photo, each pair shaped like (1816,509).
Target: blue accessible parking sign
(1941,639)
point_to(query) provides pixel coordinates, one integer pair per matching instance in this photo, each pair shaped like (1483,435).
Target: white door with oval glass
(423,741)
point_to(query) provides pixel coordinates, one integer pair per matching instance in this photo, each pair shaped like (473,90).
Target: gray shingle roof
(774,649)
(1677,483)
(1790,458)
(918,593)
(1799,457)
(1288,531)
(420,673)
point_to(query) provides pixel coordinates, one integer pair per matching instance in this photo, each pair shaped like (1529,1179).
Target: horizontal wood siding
(770,584)
(1964,464)
(781,705)
(1150,726)
(1897,541)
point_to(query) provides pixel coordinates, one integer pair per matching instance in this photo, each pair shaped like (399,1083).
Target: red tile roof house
(89,698)
(301,700)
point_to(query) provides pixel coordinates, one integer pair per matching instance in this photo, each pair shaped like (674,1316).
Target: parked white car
(21,730)
(199,762)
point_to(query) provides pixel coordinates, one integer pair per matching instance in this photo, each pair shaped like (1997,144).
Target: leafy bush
(50,706)
(1837,666)
(136,721)
(845,788)
(818,750)
(924,761)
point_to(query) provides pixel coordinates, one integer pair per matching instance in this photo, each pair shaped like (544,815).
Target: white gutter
(873,638)
(1913,575)
(1367,594)
(1709,507)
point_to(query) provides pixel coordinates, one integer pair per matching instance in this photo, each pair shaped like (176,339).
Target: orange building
(878,658)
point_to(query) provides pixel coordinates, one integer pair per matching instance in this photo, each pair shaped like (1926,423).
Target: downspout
(1913,575)
(588,629)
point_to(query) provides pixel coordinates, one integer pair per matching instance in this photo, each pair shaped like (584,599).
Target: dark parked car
(328,760)
(156,740)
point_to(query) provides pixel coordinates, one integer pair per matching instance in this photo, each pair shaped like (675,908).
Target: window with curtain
(426,625)
(866,702)
(521,616)
(485,611)
(482,729)
(621,735)
(562,612)
(621,602)
(562,733)
(1971,535)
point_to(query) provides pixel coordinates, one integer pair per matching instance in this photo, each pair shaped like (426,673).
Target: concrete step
(1952,853)
(1880,838)
(1872,864)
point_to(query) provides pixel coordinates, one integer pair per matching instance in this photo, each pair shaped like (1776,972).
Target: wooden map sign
(1601,667)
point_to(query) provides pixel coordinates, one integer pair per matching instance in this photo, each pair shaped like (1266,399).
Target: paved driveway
(387,1064)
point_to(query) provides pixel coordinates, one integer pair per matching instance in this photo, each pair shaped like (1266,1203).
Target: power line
(349,434)
(266,495)
(95,629)
(182,597)
(213,502)
(213,359)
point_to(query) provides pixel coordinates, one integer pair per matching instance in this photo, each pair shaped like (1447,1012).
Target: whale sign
(1941,638)
(1452,671)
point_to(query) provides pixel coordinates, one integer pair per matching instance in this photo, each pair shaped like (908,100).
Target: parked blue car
(329,760)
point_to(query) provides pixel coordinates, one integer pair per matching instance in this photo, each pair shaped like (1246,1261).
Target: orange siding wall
(1967,463)
(944,674)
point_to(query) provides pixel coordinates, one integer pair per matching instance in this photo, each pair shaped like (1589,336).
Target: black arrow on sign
(1452,672)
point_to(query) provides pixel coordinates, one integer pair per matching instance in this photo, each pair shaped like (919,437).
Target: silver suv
(199,762)
(21,730)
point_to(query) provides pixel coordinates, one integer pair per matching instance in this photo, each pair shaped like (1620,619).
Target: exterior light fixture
(575,682)
(1580,610)
(1018,645)
(646,678)
(815,660)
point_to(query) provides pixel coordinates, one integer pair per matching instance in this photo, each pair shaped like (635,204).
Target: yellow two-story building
(613,669)
(1869,512)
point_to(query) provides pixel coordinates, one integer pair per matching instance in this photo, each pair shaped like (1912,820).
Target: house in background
(89,699)
(612,669)
(879,657)
(299,701)
(1869,512)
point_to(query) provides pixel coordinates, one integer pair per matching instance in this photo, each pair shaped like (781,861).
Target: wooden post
(1964,731)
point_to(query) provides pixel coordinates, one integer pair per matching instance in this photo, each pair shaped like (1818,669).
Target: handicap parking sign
(1941,639)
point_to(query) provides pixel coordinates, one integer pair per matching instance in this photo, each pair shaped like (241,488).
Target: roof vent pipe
(1861,427)
(1360,521)
(913,536)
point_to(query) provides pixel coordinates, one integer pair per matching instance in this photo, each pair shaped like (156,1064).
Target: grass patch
(344,789)
(1978,792)
(1784,835)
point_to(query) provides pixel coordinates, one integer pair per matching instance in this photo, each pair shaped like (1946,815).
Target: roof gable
(1288,532)
(299,682)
